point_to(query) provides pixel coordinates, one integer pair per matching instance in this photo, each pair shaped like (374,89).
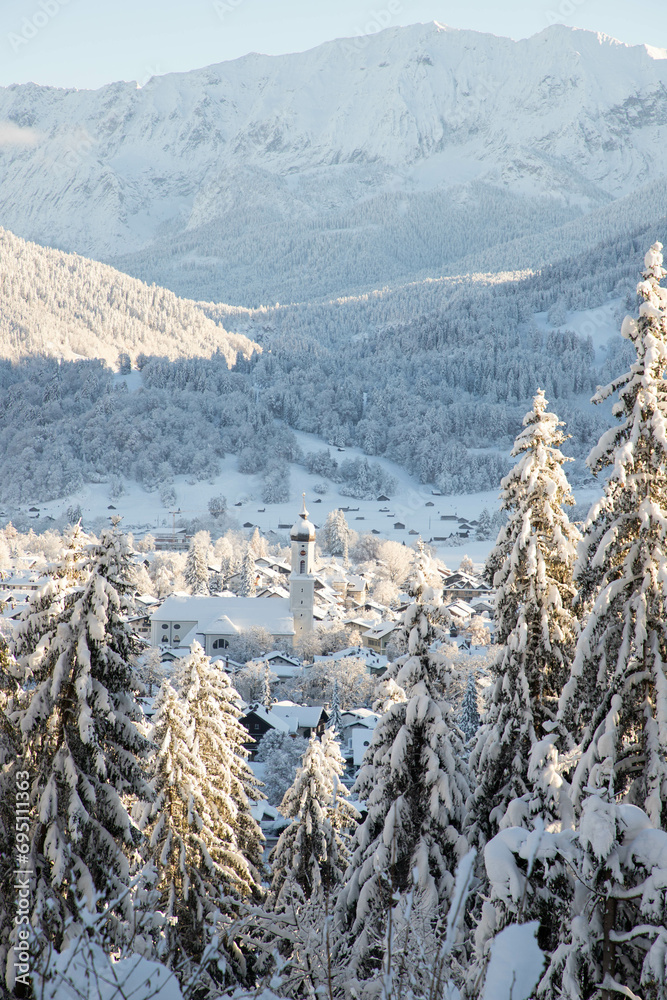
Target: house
(259,721)
(377,636)
(460,612)
(399,526)
(216,621)
(276,565)
(359,742)
(383,499)
(483,606)
(305,720)
(463,585)
(375,662)
(176,541)
(282,665)
(356,733)
(356,587)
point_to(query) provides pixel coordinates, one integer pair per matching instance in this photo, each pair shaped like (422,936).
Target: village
(303,634)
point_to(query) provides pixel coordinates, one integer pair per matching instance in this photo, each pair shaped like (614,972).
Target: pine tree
(258,544)
(615,935)
(335,534)
(311,855)
(622,650)
(335,722)
(205,846)
(80,741)
(469,715)
(182,866)
(268,696)
(196,568)
(531,565)
(231,785)
(248,575)
(484,525)
(414,784)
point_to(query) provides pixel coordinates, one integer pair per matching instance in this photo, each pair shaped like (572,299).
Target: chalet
(377,636)
(305,720)
(375,662)
(464,586)
(356,587)
(460,612)
(399,526)
(357,733)
(281,664)
(259,721)
(383,499)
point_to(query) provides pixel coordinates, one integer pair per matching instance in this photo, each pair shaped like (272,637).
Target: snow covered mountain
(68,307)
(359,162)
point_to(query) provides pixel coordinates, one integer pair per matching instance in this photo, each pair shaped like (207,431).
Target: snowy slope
(142,510)
(405,135)
(66,306)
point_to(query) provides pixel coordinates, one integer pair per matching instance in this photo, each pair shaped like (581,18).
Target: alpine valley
(448,218)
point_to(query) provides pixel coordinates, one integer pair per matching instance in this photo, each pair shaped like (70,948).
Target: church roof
(303,530)
(229,615)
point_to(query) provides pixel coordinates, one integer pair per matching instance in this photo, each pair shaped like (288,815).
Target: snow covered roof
(272,718)
(361,652)
(364,716)
(462,606)
(305,716)
(228,615)
(381,629)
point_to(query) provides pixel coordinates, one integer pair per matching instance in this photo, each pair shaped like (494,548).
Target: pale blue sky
(86,43)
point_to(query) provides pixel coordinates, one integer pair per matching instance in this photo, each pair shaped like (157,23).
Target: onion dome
(303,530)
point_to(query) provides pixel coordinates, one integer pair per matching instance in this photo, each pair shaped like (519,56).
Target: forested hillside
(67,306)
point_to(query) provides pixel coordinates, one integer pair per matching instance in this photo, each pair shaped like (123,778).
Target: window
(164,627)
(220,644)
(303,566)
(177,626)
(165,638)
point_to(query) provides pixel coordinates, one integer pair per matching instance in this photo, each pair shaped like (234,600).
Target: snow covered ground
(409,505)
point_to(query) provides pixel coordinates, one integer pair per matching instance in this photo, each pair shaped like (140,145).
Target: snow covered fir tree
(80,740)
(531,565)
(414,783)
(622,651)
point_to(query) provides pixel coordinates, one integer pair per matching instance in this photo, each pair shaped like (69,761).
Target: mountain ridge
(356,162)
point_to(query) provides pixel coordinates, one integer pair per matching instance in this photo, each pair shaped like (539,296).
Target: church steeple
(302,582)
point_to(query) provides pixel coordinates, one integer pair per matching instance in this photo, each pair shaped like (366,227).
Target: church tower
(302,581)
